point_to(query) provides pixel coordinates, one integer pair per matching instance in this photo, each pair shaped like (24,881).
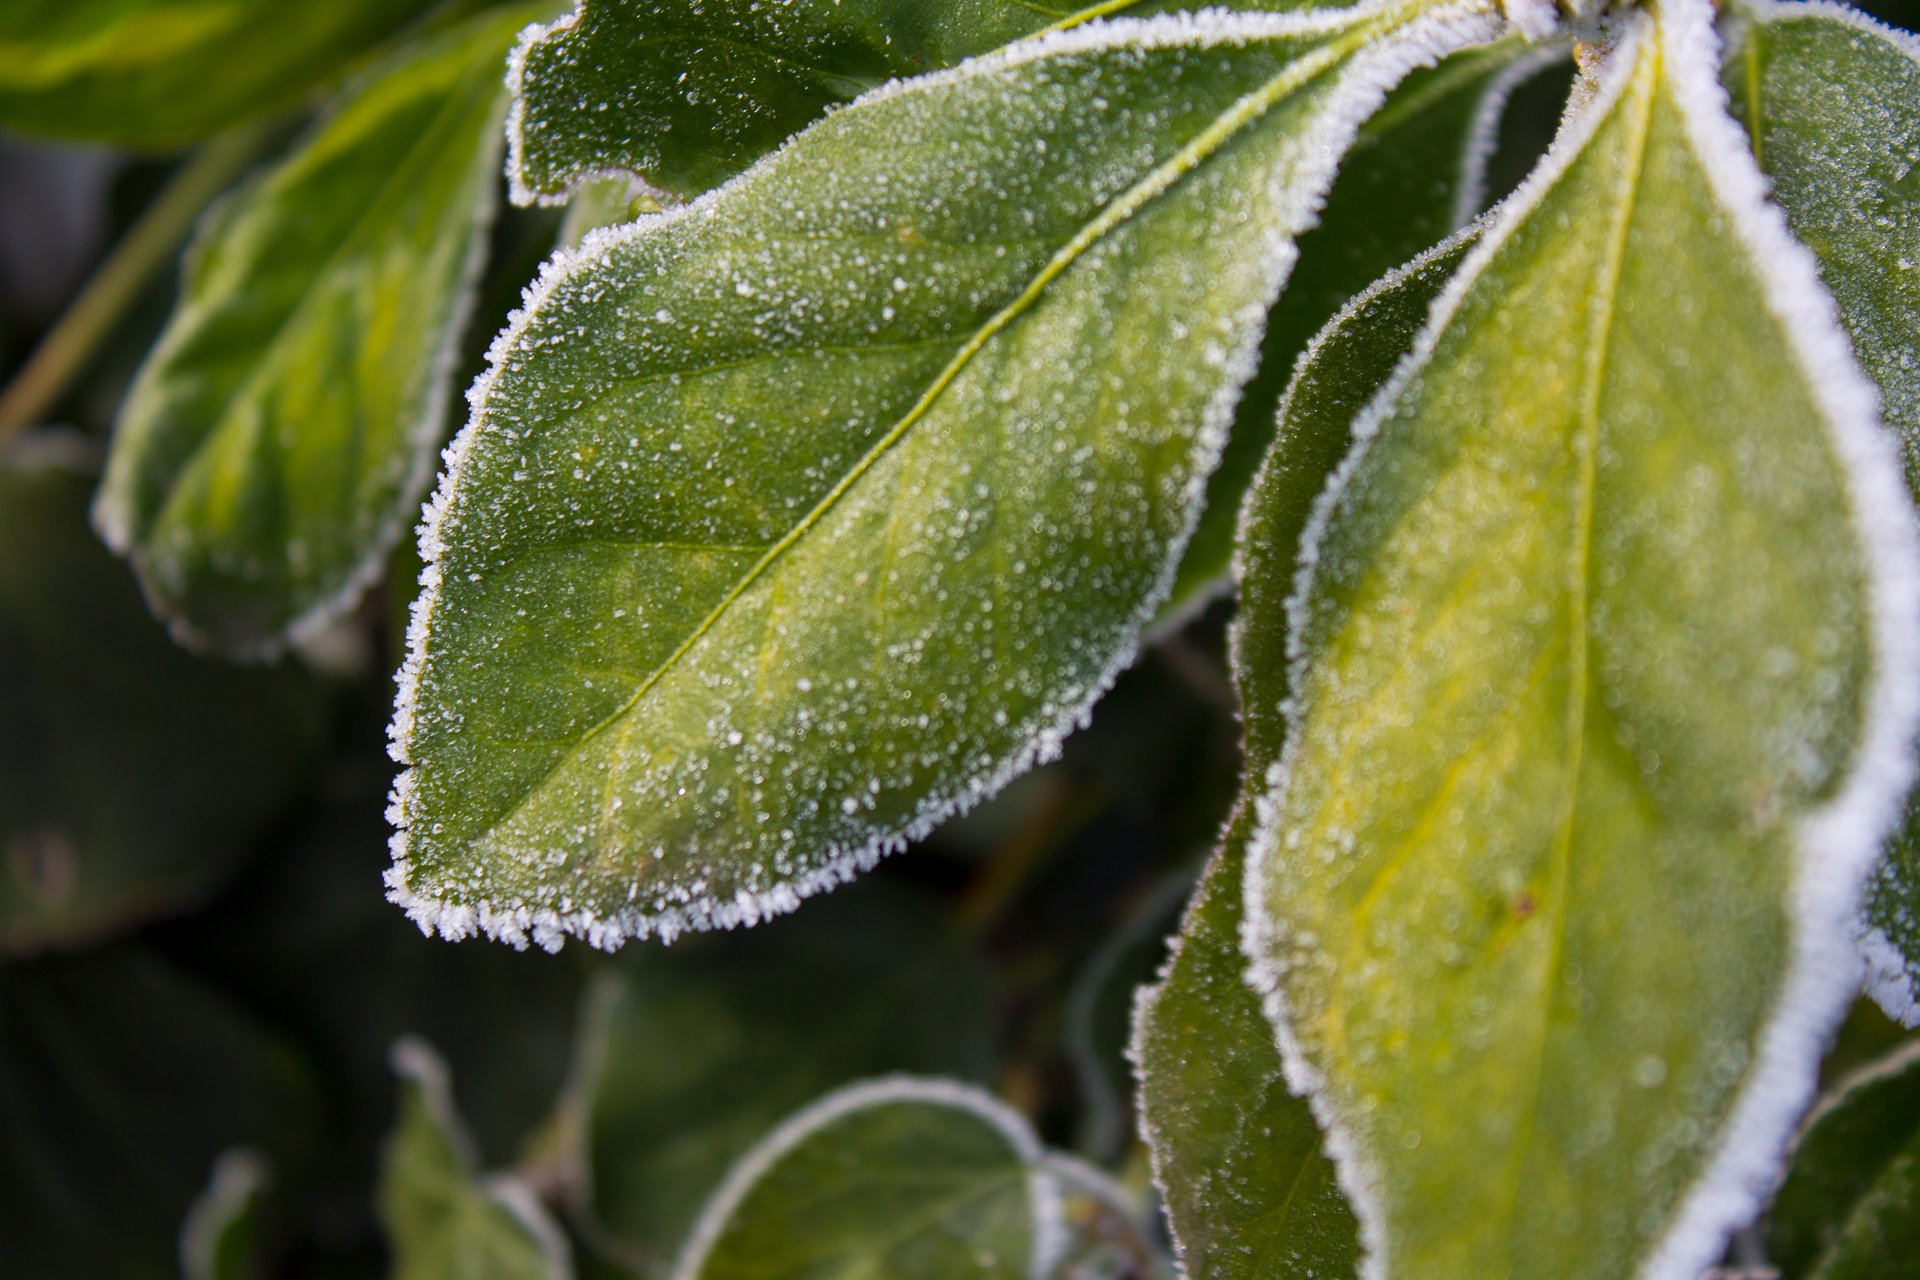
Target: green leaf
(1237,1155)
(1831,101)
(442,1218)
(1600,709)
(121,1080)
(691,1054)
(776,536)
(278,440)
(158,73)
(1414,174)
(897,1177)
(133,777)
(685,95)
(1849,1208)
(220,1237)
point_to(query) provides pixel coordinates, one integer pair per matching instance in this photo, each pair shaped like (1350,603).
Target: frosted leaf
(1831,101)
(897,1177)
(1604,678)
(722,607)
(279,436)
(684,94)
(220,1234)
(443,1219)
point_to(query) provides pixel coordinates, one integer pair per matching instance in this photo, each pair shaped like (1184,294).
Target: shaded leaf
(1831,101)
(280,436)
(686,95)
(775,537)
(220,1237)
(120,1081)
(110,735)
(1412,177)
(1600,715)
(443,1218)
(158,73)
(897,1177)
(1238,1157)
(692,1054)
(1849,1208)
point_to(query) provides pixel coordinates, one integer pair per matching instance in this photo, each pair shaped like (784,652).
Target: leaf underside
(159,73)
(277,442)
(1238,1157)
(1584,648)
(779,532)
(1831,102)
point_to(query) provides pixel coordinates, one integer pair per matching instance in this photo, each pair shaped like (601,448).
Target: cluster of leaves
(903,367)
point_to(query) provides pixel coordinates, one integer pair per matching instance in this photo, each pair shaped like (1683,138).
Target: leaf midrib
(1245,112)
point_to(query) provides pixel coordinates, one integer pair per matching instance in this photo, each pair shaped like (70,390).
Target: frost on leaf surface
(1600,714)
(790,523)
(896,1177)
(685,94)
(1849,1207)
(1237,1155)
(1831,102)
(444,1220)
(159,73)
(276,442)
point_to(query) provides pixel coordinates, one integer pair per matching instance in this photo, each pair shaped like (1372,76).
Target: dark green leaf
(790,524)
(120,1081)
(693,1053)
(1238,1157)
(1599,714)
(158,73)
(132,776)
(899,1177)
(280,437)
(1850,1206)
(444,1220)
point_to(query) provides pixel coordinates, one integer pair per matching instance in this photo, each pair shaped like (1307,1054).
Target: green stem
(72,342)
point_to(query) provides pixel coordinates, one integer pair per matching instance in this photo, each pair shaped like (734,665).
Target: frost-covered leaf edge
(1044,1195)
(1890,979)
(1420,38)
(421,436)
(1847,830)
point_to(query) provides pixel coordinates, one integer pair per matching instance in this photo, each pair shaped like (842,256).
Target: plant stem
(72,342)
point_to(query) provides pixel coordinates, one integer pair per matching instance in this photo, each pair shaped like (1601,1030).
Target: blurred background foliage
(196,957)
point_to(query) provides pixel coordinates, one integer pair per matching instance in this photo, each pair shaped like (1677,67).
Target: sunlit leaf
(280,437)
(120,1081)
(899,1177)
(1600,709)
(1831,101)
(157,73)
(444,1220)
(794,522)
(132,775)
(1850,1206)
(1238,1157)
(686,94)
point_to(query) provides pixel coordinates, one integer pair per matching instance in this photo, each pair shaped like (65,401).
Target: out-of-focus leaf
(693,1053)
(133,776)
(120,1081)
(686,94)
(444,1219)
(158,73)
(899,1177)
(1238,1157)
(1598,714)
(220,1237)
(1831,101)
(279,439)
(1849,1208)
(776,538)
(1411,178)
